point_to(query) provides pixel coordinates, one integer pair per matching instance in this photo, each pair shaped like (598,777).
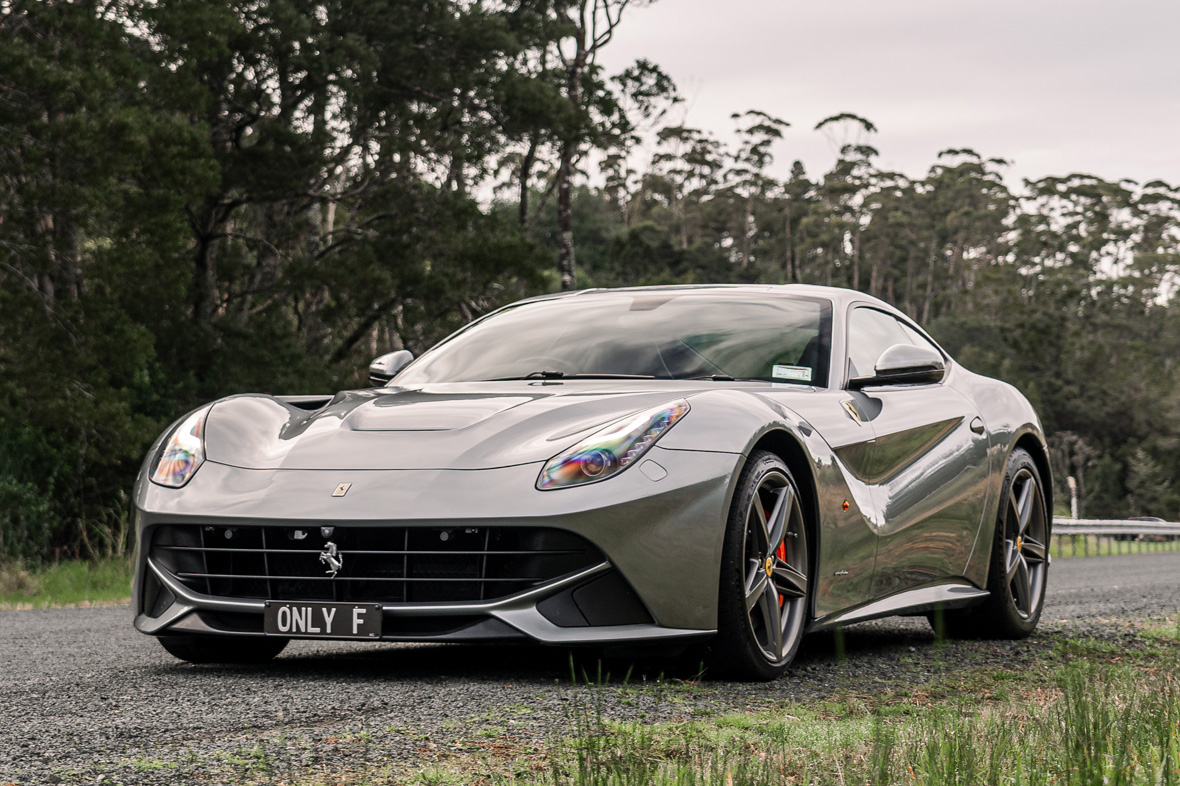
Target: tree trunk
(929,287)
(909,279)
(746,219)
(792,272)
(205,265)
(526,173)
(566,265)
(65,252)
(856,260)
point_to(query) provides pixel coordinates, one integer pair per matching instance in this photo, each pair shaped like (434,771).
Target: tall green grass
(70,583)
(1101,726)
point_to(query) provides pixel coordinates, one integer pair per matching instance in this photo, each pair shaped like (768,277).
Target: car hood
(478,425)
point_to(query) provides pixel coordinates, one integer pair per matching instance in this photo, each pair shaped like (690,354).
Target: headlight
(183,451)
(611,450)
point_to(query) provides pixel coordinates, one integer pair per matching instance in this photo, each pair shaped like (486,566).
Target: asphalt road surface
(84,698)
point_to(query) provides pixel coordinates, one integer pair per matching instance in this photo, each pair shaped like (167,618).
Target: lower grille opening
(377,564)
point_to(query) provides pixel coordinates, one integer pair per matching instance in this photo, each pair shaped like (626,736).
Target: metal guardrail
(1086,537)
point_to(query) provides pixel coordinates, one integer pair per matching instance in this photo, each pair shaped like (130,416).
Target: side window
(871,332)
(917,339)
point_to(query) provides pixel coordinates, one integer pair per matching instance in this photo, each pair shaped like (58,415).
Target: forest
(205,197)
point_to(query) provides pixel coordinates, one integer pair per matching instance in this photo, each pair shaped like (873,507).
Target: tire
(765,566)
(1019,564)
(223,649)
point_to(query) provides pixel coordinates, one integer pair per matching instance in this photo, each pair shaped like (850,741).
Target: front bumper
(659,528)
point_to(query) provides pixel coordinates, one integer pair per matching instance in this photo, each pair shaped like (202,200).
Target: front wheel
(223,649)
(1019,566)
(765,564)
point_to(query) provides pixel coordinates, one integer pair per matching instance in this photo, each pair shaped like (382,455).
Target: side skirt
(947,595)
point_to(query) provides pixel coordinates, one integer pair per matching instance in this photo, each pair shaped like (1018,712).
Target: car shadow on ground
(546,665)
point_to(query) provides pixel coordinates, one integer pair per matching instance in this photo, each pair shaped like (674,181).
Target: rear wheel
(223,649)
(765,564)
(1019,562)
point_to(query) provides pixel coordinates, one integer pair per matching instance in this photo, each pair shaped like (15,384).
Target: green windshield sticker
(800,373)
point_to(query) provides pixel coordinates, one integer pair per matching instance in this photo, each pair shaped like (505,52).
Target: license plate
(335,620)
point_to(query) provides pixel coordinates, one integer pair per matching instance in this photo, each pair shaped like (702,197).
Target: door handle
(977,425)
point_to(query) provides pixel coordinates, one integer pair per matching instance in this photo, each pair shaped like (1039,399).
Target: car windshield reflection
(622,335)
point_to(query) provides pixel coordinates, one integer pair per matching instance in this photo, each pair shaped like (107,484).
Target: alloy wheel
(776,561)
(1026,552)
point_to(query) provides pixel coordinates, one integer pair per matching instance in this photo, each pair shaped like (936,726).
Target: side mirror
(386,367)
(904,364)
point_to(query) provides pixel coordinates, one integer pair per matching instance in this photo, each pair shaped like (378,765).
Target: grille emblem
(341,490)
(326,532)
(332,558)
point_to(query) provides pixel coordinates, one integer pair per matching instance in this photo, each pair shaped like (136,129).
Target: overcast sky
(1055,86)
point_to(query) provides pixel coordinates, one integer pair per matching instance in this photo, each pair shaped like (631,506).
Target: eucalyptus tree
(635,101)
(831,232)
(687,169)
(892,241)
(587,27)
(757,132)
(970,211)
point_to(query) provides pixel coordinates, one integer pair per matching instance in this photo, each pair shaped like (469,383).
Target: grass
(1093,546)
(1096,724)
(70,583)
(1110,715)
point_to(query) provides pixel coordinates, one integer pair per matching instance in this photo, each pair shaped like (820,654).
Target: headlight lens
(183,451)
(611,450)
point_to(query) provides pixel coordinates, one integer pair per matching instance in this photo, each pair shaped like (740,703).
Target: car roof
(838,295)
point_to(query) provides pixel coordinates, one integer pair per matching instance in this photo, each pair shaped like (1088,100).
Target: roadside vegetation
(1104,717)
(68,583)
(1093,546)
(1088,724)
(1084,712)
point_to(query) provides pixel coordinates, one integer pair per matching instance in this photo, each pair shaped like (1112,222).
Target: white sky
(1056,86)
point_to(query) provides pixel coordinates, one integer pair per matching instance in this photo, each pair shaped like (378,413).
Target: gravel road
(84,698)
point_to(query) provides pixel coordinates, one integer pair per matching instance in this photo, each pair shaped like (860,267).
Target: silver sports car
(728,467)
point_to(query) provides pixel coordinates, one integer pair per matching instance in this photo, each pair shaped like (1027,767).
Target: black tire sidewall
(734,652)
(1007,620)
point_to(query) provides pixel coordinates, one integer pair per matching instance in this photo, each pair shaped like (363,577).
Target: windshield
(657,335)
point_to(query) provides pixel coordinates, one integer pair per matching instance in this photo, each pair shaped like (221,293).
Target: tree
(589,25)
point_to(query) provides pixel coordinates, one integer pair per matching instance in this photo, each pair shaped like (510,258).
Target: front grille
(380,564)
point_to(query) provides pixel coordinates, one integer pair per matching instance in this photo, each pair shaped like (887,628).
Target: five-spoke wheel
(1026,553)
(764,579)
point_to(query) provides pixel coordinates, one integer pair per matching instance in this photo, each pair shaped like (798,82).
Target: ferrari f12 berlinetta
(729,467)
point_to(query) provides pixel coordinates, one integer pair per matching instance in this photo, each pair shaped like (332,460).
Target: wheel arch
(1040,456)
(784,445)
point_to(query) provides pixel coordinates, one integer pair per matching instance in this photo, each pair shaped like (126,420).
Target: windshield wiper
(717,377)
(563,375)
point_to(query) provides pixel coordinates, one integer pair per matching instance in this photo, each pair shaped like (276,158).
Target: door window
(871,332)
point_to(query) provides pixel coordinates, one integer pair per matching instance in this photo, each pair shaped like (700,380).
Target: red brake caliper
(782,555)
